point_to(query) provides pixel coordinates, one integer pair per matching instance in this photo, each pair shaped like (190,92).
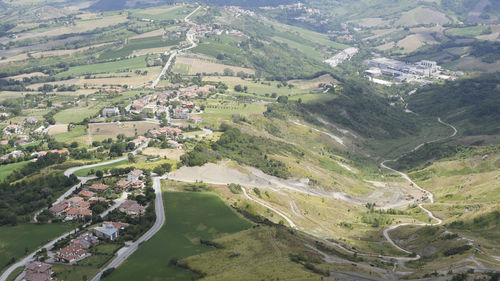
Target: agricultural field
(194,65)
(100,131)
(107,67)
(16,241)
(470,31)
(137,44)
(180,236)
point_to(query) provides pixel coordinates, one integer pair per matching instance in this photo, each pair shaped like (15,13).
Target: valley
(252,141)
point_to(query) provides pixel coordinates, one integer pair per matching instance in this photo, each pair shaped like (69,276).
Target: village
(108,207)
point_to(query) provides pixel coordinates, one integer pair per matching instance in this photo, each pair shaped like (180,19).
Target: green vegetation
(471,104)
(5,170)
(469,31)
(17,241)
(87,171)
(245,149)
(180,237)
(106,67)
(137,44)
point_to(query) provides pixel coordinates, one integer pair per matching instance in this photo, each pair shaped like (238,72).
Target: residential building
(134,175)
(109,230)
(38,271)
(86,193)
(58,209)
(132,208)
(110,112)
(181,113)
(99,187)
(195,119)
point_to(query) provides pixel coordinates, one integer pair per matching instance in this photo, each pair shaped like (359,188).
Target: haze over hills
(250,140)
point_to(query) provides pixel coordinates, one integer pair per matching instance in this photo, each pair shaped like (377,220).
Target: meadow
(16,241)
(189,218)
(5,170)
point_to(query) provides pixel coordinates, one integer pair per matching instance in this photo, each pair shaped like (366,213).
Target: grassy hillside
(190,217)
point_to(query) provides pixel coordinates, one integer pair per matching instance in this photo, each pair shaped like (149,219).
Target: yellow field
(173,154)
(58,129)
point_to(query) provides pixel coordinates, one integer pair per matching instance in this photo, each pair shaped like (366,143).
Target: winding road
(190,36)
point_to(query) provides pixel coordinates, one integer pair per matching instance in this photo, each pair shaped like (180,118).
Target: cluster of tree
(22,198)
(35,166)
(163,168)
(243,148)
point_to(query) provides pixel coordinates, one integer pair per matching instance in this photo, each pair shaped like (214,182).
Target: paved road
(67,173)
(160,220)
(190,36)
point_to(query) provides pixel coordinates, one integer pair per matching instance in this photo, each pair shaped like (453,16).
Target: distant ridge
(111,5)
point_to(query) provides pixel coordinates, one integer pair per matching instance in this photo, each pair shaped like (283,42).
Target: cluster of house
(79,206)
(133,181)
(158,103)
(209,30)
(403,71)
(76,207)
(169,132)
(77,248)
(38,271)
(18,153)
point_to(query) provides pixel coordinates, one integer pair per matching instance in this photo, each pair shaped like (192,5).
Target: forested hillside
(471,104)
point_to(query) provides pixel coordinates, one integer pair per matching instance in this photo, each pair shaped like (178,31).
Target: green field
(5,170)
(85,172)
(107,67)
(73,135)
(189,217)
(470,31)
(138,44)
(15,240)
